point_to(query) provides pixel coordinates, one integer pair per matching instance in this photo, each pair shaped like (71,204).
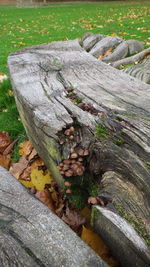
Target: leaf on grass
(5,161)
(39,179)
(18,168)
(5,141)
(73,219)
(9,148)
(107,53)
(26,148)
(45,197)
(33,155)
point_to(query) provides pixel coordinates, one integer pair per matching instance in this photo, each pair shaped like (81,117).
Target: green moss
(135,222)
(119,142)
(79,197)
(132,116)
(94,215)
(93,190)
(101,131)
(53,150)
(146,119)
(78,100)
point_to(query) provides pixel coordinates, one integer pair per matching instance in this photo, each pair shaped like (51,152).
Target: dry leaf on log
(107,53)
(45,197)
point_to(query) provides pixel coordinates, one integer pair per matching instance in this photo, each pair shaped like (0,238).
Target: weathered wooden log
(140,71)
(131,60)
(75,106)
(31,235)
(103,45)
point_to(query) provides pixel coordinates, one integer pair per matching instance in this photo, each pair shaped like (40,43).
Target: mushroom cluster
(74,165)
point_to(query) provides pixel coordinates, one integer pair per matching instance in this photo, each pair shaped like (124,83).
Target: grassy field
(61,21)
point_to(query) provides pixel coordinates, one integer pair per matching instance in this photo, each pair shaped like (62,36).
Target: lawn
(61,21)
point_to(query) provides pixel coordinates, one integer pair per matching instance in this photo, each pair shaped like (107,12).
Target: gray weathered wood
(102,46)
(132,59)
(40,77)
(123,240)
(140,71)
(120,52)
(32,235)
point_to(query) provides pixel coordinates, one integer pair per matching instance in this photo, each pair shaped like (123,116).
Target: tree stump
(77,108)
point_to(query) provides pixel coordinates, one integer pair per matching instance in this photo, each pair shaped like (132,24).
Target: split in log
(58,86)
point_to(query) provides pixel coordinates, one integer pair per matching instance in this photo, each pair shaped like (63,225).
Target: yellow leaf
(27,184)
(97,244)
(39,180)
(94,241)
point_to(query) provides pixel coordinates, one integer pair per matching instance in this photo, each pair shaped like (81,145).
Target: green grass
(61,21)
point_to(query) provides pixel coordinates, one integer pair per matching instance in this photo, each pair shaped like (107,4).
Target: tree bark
(112,122)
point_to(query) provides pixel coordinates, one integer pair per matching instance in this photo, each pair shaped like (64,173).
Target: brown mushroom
(69,173)
(71,129)
(74,155)
(66,183)
(71,137)
(81,152)
(68,191)
(67,132)
(65,167)
(86,152)
(66,161)
(80,159)
(79,171)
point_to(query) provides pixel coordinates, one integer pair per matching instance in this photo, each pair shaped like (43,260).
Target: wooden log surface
(31,235)
(115,129)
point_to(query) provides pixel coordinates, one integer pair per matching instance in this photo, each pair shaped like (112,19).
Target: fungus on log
(58,86)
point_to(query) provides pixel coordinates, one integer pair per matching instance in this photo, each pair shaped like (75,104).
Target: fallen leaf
(73,219)
(45,197)
(39,179)
(106,54)
(36,163)
(94,241)
(18,168)
(9,148)
(26,148)
(5,141)
(5,161)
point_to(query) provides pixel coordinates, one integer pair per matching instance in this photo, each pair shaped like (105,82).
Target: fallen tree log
(31,235)
(76,108)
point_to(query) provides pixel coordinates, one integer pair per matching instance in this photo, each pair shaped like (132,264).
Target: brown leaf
(9,148)
(33,155)
(26,148)
(5,161)
(18,168)
(45,197)
(73,219)
(4,141)
(26,174)
(106,54)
